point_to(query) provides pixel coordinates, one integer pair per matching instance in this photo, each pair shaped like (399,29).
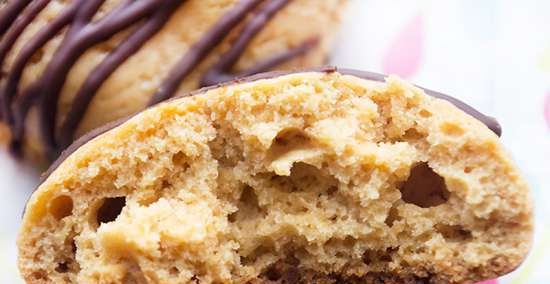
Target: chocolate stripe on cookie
(12,31)
(128,47)
(10,13)
(221,71)
(19,25)
(82,35)
(16,119)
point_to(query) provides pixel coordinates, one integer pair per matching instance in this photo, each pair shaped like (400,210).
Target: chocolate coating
(146,17)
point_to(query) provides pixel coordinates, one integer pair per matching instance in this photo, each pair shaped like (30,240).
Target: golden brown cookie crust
(324,170)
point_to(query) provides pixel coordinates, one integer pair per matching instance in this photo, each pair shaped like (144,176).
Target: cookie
(71,66)
(326,176)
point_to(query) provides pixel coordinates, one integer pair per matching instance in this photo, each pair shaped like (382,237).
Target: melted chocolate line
(19,25)
(22,109)
(11,11)
(99,75)
(292,53)
(28,97)
(217,76)
(55,74)
(85,14)
(29,49)
(11,36)
(121,19)
(80,37)
(252,28)
(202,48)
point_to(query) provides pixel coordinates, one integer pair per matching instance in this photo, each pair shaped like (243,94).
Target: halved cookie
(312,177)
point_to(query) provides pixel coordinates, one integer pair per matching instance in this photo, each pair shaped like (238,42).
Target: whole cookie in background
(71,66)
(328,176)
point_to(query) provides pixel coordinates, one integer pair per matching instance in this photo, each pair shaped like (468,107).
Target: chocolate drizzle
(129,46)
(10,13)
(144,18)
(19,25)
(16,119)
(221,71)
(82,35)
(9,36)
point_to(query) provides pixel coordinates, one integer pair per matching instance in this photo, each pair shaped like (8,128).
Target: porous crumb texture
(130,87)
(308,177)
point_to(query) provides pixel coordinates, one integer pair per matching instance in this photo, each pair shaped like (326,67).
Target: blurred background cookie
(71,66)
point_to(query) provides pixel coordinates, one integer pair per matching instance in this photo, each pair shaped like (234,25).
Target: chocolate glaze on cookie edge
(490,122)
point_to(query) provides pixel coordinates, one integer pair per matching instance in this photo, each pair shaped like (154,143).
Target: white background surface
(493,54)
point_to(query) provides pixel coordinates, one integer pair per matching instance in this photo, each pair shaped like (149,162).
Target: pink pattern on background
(547,109)
(489,282)
(406,51)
